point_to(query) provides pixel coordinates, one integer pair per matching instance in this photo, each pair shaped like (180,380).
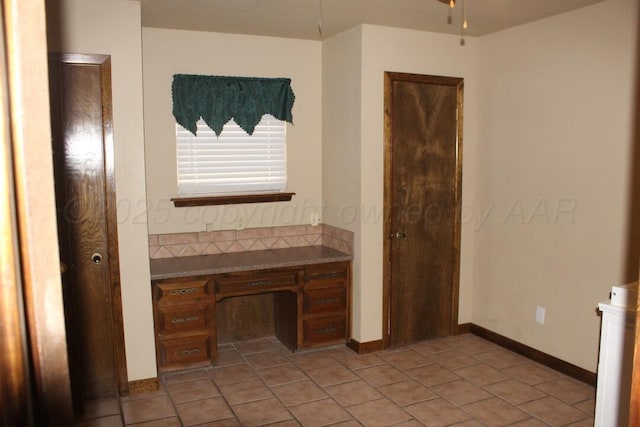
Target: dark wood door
(83,162)
(422,201)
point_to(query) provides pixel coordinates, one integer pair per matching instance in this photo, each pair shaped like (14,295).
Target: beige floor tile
(588,406)
(202,411)
(299,392)
(584,423)
(382,375)
(437,412)
(407,359)
(531,373)
(481,374)
(320,413)
(553,412)
(232,374)
(331,375)
(313,360)
(229,422)
(228,357)
(453,359)
(474,345)
(282,375)
(352,393)
(102,407)
(360,361)
(267,359)
(109,421)
(500,358)
(255,346)
(184,376)
(469,423)
(514,392)
(430,347)
(432,374)
(153,408)
(166,422)
(495,412)
(460,392)
(381,412)
(261,412)
(192,390)
(531,422)
(407,392)
(247,391)
(569,391)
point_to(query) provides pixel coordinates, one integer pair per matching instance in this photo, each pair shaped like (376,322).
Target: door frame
(389,79)
(104,62)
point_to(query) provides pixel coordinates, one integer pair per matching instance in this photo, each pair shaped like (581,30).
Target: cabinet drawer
(327,274)
(182,290)
(182,352)
(324,300)
(254,282)
(323,330)
(183,317)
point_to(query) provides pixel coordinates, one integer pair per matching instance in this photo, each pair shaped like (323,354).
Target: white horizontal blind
(234,162)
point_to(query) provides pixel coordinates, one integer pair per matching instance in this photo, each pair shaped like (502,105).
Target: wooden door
(422,206)
(80,90)
(34,382)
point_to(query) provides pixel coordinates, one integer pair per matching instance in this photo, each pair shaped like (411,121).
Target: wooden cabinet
(311,308)
(184,320)
(325,303)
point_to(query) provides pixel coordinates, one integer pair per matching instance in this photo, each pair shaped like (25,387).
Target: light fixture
(465,23)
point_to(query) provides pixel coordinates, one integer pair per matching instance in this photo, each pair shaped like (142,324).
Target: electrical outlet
(315,218)
(241,224)
(540,312)
(210,227)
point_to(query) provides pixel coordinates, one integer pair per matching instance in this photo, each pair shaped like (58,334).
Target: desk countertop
(203,265)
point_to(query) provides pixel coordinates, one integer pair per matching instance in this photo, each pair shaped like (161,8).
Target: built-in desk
(311,288)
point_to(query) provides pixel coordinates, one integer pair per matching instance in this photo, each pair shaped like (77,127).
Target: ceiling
(299,18)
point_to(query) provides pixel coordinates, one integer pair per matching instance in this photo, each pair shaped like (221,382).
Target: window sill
(232,199)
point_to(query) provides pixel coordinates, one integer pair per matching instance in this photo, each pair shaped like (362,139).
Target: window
(233,162)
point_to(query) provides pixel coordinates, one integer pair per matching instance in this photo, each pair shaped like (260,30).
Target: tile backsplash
(252,239)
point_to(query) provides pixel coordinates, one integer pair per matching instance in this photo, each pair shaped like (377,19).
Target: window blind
(233,162)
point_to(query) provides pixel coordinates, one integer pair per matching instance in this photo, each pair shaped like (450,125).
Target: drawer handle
(327,301)
(178,320)
(189,351)
(258,283)
(326,331)
(183,291)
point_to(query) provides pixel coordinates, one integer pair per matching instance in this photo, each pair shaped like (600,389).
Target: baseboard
(548,360)
(144,386)
(463,328)
(365,347)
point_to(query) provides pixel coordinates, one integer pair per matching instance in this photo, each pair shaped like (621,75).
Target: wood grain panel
(422,207)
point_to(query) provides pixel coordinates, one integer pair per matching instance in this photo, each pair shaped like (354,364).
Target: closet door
(422,205)
(80,87)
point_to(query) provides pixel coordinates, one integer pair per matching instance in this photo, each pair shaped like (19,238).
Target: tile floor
(455,381)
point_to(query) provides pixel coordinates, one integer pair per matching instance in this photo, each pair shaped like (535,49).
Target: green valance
(218,99)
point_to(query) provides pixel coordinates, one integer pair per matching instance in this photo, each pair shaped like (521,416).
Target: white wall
(553,173)
(113,28)
(387,49)
(169,52)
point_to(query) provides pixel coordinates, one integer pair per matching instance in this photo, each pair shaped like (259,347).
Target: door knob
(96,258)
(401,235)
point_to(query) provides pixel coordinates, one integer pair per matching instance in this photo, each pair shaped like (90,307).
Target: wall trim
(144,386)
(463,328)
(548,360)
(365,347)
